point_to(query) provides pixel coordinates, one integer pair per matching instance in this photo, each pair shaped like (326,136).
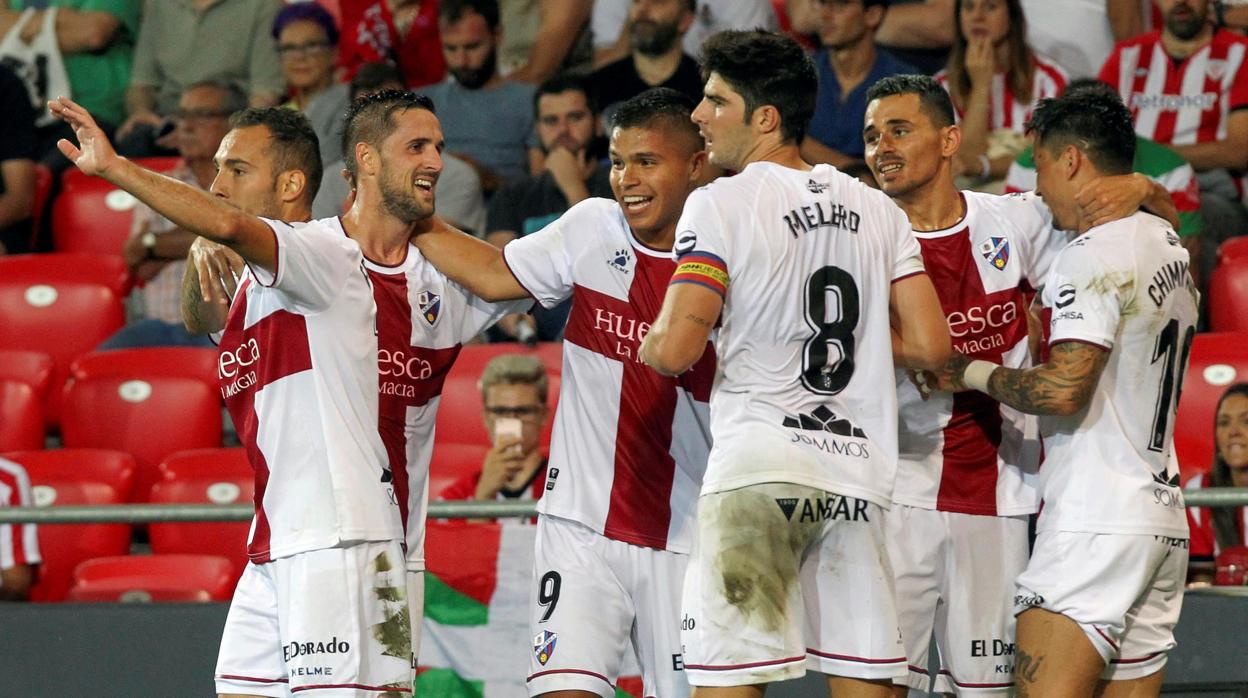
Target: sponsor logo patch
(1065,296)
(815,187)
(823,419)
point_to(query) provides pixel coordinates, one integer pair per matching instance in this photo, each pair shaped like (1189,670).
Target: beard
(474,78)
(398,200)
(653,38)
(1188,27)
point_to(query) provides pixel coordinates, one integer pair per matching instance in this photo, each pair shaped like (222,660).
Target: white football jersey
(629,445)
(297,368)
(805,261)
(1110,468)
(966,452)
(423,319)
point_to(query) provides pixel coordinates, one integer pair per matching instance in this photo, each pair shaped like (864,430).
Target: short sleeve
(1043,241)
(313,264)
(1085,308)
(480,315)
(541,262)
(907,255)
(701,249)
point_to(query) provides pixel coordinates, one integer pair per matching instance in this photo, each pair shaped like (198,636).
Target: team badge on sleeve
(996,251)
(544,646)
(430,306)
(704,269)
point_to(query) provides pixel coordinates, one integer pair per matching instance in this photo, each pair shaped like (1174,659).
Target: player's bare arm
(474,264)
(920,332)
(187,207)
(1062,386)
(1109,198)
(678,336)
(208,285)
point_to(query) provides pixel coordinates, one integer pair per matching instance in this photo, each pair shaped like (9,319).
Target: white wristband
(977,374)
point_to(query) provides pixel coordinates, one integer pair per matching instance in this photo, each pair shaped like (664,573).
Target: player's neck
(773,150)
(1179,49)
(381,237)
(295,212)
(933,206)
(662,239)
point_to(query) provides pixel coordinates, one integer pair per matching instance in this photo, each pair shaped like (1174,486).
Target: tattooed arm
(678,337)
(1062,386)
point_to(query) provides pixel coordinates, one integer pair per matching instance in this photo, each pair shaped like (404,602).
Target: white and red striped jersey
(423,319)
(298,371)
(966,452)
(1204,545)
(1183,102)
(19,543)
(805,262)
(1006,111)
(1110,467)
(629,447)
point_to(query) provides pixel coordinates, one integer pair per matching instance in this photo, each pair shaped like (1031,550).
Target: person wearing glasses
(156,250)
(307,43)
(514,389)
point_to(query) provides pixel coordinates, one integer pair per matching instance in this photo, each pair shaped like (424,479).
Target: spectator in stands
(514,389)
(612,36)
(656,58)
(403,32)
(458,189)
(1215,529)
(19,543)
(543,38)
(565,126)
(1153,160)
(995,80)
(306,41)
(472,99)
(96,38)
(184,43)
(1187,87)
(17,164)
(156,250)
(847,65)
(918,32)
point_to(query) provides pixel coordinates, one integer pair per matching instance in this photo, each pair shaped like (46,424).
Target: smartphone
(509,427)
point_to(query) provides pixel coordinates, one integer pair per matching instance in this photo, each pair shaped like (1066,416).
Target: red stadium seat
(75,477)
(21,417)
(60,305)
(161,574)
(177,362)
(181,484)
(91,215)
(1235,249)
(1217,360)
(147,594)
(207,462)
(1228,295)
(149,415)
(452,461)
(473,357)
(34,368)
(460,412)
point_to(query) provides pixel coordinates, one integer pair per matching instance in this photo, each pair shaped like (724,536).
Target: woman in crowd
(307,43)
(1214,529)
(995,80)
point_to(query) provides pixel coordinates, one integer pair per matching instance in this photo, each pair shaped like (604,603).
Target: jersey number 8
(832,312)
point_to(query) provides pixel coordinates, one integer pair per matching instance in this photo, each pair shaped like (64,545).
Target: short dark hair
(765,68)
(565,82)
(293,144)
(306,12)
(370,119)
(933,99)
(372,76)
(454,10)
(658,107)
(1090,84)
(1096,123)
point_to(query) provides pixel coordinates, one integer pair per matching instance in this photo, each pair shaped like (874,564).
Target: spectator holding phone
(1214,530)
(514,389)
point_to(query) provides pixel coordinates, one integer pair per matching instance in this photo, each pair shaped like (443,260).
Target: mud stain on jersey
(1121,283)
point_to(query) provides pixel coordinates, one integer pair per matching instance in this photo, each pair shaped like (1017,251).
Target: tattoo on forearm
(191,301)
(697,320)
(1068,378)
(1026,668)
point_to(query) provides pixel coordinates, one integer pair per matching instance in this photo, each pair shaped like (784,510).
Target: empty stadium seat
(21,417)
(59,305)
(156,574)
(452,461)
(149,593)
(33,368)
(206,479)
(1235,249)
(1228,295)
(1217,360)
(91,215)
(186,362)
(75,477)
(460,412)
(149,415)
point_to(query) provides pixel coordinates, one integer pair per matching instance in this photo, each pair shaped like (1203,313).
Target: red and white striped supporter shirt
(1180,102)
(298,370)
(423,319)
(1204,545)
(629,446)
(965,452)
(1006,110)
(19,543)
